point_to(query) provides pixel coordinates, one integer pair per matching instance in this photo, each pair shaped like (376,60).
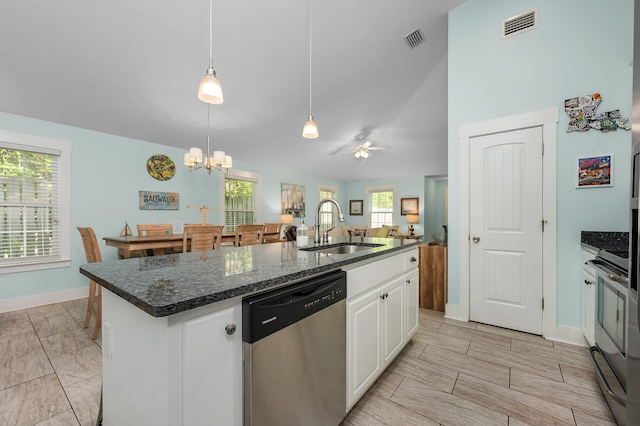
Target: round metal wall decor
(161,167)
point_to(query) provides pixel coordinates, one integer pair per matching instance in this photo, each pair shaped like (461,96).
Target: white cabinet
(364,343)
(393,312)
(411,294)
(210,364)
(588,285)
(382,315)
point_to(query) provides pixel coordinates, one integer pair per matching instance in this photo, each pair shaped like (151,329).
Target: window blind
(29,203)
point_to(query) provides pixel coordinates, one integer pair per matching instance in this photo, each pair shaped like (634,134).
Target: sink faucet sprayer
(325,235)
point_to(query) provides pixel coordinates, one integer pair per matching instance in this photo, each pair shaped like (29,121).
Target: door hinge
(542,148)
(543,222)
(543,303)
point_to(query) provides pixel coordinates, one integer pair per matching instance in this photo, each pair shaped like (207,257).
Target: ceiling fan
(363,151)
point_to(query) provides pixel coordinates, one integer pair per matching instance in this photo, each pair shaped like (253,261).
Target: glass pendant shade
(310,129)
(210,90)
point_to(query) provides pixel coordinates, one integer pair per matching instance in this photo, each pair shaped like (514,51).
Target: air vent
(519,24)
(414,38)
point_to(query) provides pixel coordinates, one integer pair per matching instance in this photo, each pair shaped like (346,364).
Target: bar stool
(94,304)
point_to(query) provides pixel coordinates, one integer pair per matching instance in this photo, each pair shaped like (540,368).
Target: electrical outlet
(107,339)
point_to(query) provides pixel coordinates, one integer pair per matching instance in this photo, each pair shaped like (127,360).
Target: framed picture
(355,207)
(408,206)
(595,172)
(292,199)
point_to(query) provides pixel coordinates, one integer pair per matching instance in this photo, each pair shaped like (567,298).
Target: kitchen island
(171,353)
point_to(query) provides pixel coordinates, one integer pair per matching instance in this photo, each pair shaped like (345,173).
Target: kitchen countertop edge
(241,290)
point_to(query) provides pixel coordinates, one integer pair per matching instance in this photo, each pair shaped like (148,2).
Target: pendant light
(310,128)
(210,90)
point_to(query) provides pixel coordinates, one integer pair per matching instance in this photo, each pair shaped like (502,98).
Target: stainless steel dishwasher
(295,354)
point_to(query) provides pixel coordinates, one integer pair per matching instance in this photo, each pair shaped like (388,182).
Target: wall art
(355,207)
(292,199)
(151,200)
(595,171)
(408,206)
(161,167)
(583,116)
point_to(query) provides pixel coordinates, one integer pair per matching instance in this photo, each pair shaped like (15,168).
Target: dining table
(132,245)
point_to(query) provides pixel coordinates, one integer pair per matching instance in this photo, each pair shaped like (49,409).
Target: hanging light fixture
(210,90)
(310,128)
(219,161)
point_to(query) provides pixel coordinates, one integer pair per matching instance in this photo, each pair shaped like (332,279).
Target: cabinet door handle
(408,281)
(413,259)
(230,329)
(587,282)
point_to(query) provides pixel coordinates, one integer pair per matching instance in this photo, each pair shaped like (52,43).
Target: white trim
(9,305)
(47,145)
(548,119)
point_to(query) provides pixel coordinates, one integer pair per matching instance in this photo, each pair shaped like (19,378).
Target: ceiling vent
(519,24)
(414,38)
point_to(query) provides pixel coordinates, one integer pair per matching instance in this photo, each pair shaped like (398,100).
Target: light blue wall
(108,171)
(579,48)
(434,206)
(409,187)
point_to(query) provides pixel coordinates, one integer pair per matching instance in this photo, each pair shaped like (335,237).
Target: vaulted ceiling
(131,68)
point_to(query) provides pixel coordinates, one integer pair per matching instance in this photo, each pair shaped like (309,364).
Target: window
(241,200)
(380,203)
(328,212)
(34,203)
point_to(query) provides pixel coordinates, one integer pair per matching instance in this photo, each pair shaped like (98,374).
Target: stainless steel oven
(609,354)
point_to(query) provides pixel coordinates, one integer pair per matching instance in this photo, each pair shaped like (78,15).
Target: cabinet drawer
(369,275)
(411,260)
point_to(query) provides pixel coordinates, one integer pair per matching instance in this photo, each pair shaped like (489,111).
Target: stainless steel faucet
(325,235)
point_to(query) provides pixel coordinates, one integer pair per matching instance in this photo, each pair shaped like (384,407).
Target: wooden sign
(150,200)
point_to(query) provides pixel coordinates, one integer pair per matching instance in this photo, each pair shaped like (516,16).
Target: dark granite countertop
(610,241)
(166,285)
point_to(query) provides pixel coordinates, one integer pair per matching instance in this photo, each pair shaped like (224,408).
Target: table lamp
(411,219)
(286,220)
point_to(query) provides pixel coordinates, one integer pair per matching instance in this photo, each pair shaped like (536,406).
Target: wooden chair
(249,235)
(94,304)
(154,229)
(201,237)
(272,232)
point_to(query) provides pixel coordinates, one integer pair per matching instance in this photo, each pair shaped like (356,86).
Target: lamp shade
(413,218)
(286,219)
(310,129)
(210,90)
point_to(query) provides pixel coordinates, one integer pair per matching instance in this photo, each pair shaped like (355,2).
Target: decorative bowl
(438,237)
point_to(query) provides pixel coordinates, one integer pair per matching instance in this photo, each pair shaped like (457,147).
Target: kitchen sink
(342,248)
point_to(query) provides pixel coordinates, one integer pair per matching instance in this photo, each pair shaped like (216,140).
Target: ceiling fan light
(310,129)
(210,90)
(365,154)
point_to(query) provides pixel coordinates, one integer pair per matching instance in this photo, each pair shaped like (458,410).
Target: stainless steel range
(609,354)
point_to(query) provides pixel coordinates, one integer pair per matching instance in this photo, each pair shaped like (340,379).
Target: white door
(505,258)
(393,307)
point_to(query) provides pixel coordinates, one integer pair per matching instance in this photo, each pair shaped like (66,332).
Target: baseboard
(572,336)
(9,305)
(454,312)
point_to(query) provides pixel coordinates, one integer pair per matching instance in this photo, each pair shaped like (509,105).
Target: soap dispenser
(302,234)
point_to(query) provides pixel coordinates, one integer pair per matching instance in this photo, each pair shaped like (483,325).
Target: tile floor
(452,373)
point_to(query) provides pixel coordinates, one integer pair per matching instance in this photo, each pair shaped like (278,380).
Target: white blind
(30,206)
(239,203)
(327,216)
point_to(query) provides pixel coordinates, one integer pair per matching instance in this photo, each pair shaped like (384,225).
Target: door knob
(476,239)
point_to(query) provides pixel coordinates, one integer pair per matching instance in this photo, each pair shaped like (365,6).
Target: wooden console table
(433,276)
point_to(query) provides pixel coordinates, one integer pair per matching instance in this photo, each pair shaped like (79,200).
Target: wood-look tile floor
(457,373)
(451,373)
